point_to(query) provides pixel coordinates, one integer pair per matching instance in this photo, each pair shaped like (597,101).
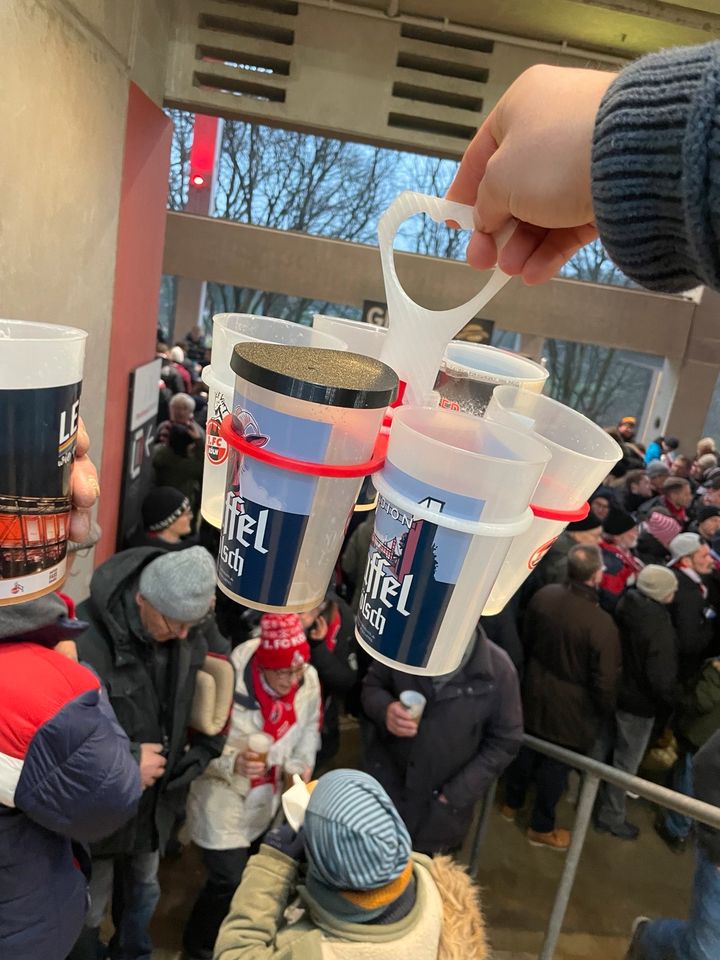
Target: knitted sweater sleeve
(656,169)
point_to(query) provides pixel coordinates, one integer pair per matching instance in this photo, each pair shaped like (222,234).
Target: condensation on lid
(329,377)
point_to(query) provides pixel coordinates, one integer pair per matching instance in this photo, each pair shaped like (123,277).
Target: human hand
(84,487)
(152,763)
(68,648)
(285,840)
(248,765)
(319,630)
(530,160)
(398,721)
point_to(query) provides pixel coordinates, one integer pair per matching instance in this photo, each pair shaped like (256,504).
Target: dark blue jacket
(67,777)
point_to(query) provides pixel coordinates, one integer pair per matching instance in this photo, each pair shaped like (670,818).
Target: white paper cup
(414,702)
(453,493)
(582,454)
(471,371)
(295,802)
(42,367)
(230,329)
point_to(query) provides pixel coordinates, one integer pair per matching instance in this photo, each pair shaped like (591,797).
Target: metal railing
(593,772)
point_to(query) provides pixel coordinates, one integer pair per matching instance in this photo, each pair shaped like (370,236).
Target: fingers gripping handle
(417,337)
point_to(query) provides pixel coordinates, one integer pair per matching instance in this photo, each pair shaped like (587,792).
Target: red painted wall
(138,268)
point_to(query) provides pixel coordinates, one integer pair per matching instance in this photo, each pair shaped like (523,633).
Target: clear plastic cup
(42,368)
(260,744)
(470,372)
(228,330)
(453,493)
(582,455)
(363,338)
(282,530)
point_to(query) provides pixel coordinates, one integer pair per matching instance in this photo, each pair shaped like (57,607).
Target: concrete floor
(616,882)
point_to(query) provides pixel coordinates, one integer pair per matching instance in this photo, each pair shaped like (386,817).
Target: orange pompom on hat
(282,642)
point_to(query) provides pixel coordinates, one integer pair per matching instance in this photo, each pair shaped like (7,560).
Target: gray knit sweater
(656,169)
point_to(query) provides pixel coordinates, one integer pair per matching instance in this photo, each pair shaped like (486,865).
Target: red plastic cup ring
(564,516)
(336,470)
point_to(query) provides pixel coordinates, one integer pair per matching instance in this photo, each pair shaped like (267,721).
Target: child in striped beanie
(365,895)
(358,850)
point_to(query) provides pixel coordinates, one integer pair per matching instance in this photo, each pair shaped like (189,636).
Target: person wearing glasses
(274,733)
(150,630)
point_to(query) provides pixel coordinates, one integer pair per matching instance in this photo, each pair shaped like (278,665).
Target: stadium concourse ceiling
(618,27)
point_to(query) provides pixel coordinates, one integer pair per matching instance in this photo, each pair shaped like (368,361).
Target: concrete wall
(65,73)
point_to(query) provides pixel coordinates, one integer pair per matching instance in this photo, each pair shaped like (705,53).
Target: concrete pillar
(695,387)
(532,346)
(686,388)
(66,72)
(189,304)
(659,401)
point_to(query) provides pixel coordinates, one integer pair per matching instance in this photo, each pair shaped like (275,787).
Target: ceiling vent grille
(439,82)
(243,48)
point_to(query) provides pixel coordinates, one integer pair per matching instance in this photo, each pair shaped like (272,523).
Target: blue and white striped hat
(355,838)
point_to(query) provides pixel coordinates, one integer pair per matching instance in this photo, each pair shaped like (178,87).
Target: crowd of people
(180,715)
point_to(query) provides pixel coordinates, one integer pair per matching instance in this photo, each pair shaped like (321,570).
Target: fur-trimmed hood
(463,929)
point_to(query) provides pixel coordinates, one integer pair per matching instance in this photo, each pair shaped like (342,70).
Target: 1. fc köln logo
(538,554)
(216,448)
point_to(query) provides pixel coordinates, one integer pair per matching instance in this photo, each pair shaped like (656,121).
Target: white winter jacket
(223,812)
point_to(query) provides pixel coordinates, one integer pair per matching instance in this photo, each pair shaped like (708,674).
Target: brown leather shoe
(508,813)
(556,840)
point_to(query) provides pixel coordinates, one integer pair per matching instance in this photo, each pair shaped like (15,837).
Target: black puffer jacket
(649,683)
(117,648)
(338,672)
(695,629)
(572,667)
(470,731)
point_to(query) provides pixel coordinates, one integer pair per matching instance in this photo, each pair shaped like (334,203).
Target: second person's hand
(398,721)
(248,765)
(152,763)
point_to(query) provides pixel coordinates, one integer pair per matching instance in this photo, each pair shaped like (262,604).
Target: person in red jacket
(67,777)
(620,565)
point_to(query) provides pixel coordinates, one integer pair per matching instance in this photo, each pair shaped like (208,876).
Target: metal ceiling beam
(681,16)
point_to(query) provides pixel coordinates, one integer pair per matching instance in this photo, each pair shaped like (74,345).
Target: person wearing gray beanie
(365,891)
(694,615)
(180,586)
(648,687)
(150,631)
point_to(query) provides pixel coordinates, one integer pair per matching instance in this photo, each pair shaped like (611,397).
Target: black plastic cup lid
(329,377)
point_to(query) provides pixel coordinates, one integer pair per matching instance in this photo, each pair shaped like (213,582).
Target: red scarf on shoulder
(278,712)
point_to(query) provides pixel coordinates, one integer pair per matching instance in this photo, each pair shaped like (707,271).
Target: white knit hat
(684,545)
(656,582)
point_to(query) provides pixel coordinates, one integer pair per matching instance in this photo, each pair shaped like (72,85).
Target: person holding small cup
(274,732)
(439,742)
